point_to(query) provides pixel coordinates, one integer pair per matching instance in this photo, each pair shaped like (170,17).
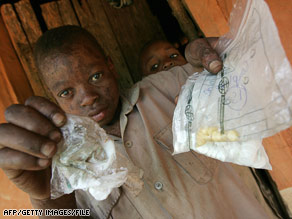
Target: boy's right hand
(28,141)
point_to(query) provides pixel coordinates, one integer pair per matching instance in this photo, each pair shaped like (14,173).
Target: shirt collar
(129,99)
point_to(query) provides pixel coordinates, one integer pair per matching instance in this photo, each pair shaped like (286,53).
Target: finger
(30,119)
(16,160)
(47,108)
(26,141)
(208,57)
(199,52)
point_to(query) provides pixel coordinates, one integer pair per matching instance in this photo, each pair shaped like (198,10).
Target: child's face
(160,56)
(83,83)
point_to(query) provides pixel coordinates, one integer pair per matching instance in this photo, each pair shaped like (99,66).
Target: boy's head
(76,71)
(159,55)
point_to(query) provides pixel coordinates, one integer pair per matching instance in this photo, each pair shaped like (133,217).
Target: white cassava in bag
(252,96)
(86,159)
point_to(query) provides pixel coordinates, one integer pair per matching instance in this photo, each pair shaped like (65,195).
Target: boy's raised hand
(201,52)
(28,141)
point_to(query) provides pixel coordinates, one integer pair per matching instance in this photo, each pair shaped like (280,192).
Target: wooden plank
(51,15)
(84,14)
(133,34)
(29,21)
(14,85)
(226,7)
(7,94)
(67,13)
(183,19)
(209,17)
(12,69)
(93,18)
(22,48)
(58,14)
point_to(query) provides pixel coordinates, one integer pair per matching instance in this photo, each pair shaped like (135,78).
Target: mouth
(99,115)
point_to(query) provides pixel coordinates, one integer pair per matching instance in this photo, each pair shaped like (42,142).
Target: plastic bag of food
(86,159)
(225,116)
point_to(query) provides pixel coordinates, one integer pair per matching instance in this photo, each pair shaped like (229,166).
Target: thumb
(200,53)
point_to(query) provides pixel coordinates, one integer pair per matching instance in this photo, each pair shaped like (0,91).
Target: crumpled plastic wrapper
(87,159)
(255,92)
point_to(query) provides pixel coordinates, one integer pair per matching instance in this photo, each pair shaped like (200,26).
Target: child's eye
(95,77)
(173,55)
(154,67)
(65,93)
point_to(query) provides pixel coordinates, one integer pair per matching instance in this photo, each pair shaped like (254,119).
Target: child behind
(159,55)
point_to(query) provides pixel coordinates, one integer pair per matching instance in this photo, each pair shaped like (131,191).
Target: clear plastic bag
(254,92)
(86,159)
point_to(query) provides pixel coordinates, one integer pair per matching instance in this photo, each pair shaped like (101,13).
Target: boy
(161,55)
(83,81)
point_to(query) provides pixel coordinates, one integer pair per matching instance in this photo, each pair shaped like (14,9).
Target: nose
(88,97)
(167,65)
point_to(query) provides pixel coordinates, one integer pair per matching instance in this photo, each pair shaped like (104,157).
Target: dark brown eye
(174,55)
(95,77)
(65,93)
(154,67)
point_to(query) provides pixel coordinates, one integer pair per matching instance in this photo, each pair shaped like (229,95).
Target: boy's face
(160,56)
(83,83)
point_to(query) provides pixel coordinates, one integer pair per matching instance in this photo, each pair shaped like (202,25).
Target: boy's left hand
(201,52)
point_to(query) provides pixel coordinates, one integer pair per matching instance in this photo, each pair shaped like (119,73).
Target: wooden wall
(14,85)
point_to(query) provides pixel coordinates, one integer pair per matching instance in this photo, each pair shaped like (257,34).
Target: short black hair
(61,40)
(146,46)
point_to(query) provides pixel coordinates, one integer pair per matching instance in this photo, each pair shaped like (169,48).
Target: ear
(176,45)
(111,67)
(184,41)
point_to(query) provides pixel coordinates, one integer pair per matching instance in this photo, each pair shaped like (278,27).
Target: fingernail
(58,119)
(55,136)
(48,149)
(215,66)
(43,162)
(175,100)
